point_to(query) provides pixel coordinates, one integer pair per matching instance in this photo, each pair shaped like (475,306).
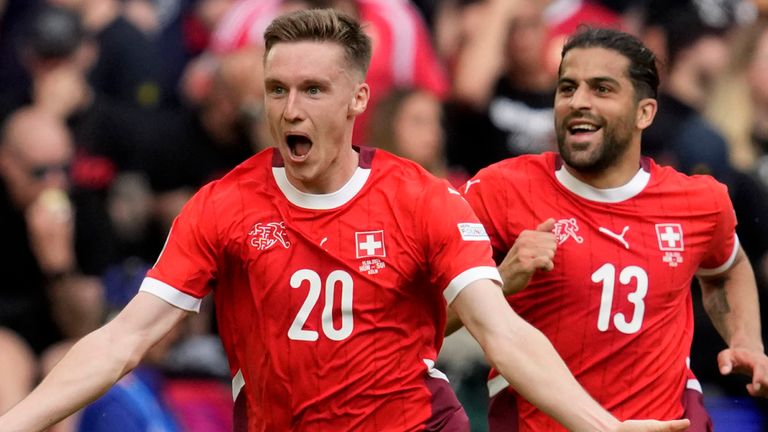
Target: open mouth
(299,145)
(582,128)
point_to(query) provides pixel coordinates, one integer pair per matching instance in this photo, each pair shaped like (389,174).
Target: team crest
(370,244)
(264,236)
(565,229)
(670,237)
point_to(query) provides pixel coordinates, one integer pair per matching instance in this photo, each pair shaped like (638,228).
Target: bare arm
(731,302)
(94,364)
(481,59)
(528,361)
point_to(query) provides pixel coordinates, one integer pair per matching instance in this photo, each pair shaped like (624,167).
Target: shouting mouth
(299,145)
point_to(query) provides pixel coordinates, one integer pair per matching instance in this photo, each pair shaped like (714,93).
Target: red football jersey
(617,305)
(331,307)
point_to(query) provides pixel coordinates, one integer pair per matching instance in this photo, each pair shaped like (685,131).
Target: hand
(50,226)
(750,362)
(61,91)
(533,250)
(653,426)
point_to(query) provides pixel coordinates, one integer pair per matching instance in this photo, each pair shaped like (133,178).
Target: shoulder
(406,179)
(669,181)
(518,169)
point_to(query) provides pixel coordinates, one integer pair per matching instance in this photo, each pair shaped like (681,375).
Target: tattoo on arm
(717,306)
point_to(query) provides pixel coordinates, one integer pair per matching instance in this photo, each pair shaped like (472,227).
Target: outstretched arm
(94,364)
(530,363)
(731,301)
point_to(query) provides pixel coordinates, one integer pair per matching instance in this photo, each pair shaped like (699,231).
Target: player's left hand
(750,362)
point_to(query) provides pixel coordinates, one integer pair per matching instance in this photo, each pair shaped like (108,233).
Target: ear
(359,100)
(646,111)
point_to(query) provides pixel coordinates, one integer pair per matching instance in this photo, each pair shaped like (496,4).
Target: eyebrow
(591,81)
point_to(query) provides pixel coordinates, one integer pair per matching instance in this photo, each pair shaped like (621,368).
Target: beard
(616,141)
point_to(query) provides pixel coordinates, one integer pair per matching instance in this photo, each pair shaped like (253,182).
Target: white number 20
(342,278)
(607,275)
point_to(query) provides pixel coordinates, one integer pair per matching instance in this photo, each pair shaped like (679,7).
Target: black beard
(613,148)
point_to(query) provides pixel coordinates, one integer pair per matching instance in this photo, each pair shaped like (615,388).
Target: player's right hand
(653,426)
(533,250)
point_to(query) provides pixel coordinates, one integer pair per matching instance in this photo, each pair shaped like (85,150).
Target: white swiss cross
(670,236)
(370,244)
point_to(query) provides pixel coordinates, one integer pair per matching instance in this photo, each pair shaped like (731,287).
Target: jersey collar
(324,201)
(612,195)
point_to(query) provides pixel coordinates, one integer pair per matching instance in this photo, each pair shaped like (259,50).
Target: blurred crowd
(114,112)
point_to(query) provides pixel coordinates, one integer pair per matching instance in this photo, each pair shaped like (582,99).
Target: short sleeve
(186,268)
(458,248)
(724,244)
(489,204)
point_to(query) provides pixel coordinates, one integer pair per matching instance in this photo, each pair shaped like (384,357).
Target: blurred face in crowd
(597,116)
(708,59)
(527,36)
(758,69)
(418,131)
(312,96)
(35,155)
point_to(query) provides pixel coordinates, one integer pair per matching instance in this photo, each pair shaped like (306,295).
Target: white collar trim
(321,201)
(612,195)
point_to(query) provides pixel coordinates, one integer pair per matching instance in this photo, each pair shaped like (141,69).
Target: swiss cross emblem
(370,244)
(670,236)
(264,236)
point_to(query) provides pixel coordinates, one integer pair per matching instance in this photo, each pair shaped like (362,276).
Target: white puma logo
(619,237)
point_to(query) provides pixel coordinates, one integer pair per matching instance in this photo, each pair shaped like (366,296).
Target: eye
(277,90)
(313,91)
(603,89)
(566,89)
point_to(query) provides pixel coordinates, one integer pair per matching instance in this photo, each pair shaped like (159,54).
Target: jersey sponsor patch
(473,232)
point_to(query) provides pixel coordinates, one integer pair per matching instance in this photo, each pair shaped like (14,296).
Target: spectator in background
(403,55)
(19,371)
(45,296)
(501,104)
(409,123)
(128,68)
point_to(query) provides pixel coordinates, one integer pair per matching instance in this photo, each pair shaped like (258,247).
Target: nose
(292,111)
(580,99)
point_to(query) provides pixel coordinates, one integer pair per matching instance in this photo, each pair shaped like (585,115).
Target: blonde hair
(322,25)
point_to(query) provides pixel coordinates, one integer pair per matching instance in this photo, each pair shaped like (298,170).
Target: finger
(675,425)
(546,226)
(725,361)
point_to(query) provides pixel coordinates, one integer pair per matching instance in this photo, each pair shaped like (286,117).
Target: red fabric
(617,305)
(331,314)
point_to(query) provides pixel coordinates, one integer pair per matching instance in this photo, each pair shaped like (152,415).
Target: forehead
(304,59)
(594,62)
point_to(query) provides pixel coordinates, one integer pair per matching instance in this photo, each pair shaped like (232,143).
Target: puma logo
(619,237)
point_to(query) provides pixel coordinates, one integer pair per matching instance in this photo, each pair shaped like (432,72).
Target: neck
(616,175)
(333,177)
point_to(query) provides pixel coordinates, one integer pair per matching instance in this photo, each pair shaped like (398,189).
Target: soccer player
(617,240)
(331,268)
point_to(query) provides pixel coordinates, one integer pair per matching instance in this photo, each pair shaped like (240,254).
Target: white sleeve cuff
(726,265)
(467,277)
(170,294)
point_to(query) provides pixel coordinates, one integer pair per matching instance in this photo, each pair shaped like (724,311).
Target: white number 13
(607,275)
